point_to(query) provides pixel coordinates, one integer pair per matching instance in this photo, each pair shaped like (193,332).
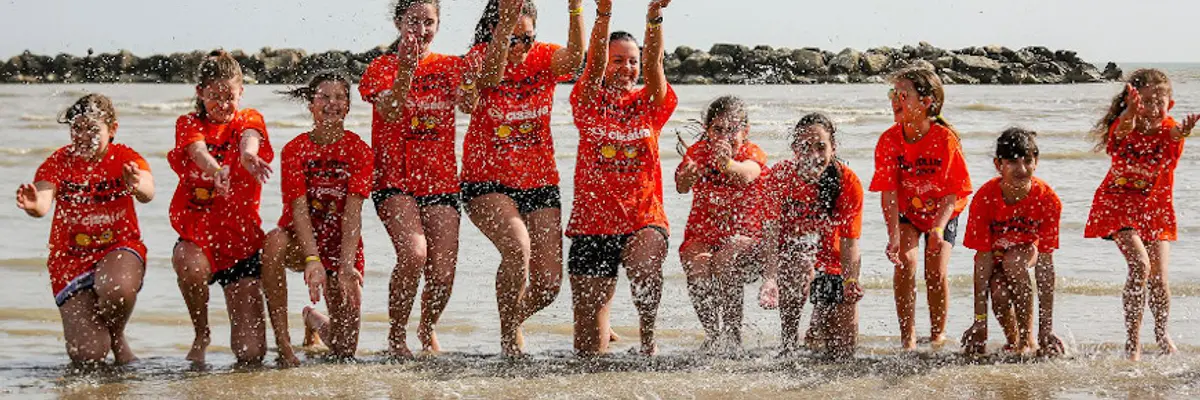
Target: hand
(852,292)
(604,5)
(259,169)
(27,197)
(314,277)
(768,295)
(351,284)
(893,250)
(132,175)
(690,169)
(221,181)
(722,153)
(409,48)
(656,6)
(1050,345)
(1133,104)
(1189,123)
(513,7)
(974,340)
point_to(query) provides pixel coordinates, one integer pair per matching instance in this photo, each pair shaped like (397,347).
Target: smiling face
(421,21)
(521,41)
(813,148)
(624,64)
(220,99)
(330,103)
(1156,101)
(908,106)
(727,128)
(1016,172)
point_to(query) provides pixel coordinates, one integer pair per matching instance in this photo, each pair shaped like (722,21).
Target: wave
(27,152)
(38,118)
(982,107)
(1073,155)
(1063,285)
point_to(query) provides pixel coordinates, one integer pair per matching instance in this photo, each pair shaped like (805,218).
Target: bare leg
(904,282)
(1136,257)
(937,261)
(496,216)
(192,272)
(118,278)
(643,259)
(402,219)
(1016,264)
(279,251)
(1160,295)
(697,263)
(88,340)
(345,311)
(248,331)
(795,275)
(591,298)
(728,263)
(441,230)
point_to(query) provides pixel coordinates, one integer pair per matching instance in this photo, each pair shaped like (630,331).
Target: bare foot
(709,345)
(908,345)
(514,347)
(612,336)
(649,350)
(429,341)
(1166,346)
(199,346)
(1133,350)
(287,356)
(122,354)
(311,325)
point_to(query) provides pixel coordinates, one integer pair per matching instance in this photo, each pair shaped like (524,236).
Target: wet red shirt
(1138,191)
(722,208)
(93,212)
(618,173)
(921,173)
(416,154)
(228,227)
(326,175)
(509,140)
(802,220)
(993,224)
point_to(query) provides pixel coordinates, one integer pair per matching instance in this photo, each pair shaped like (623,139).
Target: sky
(1100,30)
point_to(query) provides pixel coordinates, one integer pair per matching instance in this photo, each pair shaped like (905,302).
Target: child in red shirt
(813,210)
(921,172)
(509,176)
(222,157)
(414,92)
(326,177)
(1134,206)
(1013,226)
(617,217)
(721,240)
(97,258)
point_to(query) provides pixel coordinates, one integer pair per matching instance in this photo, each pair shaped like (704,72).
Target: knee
(89,351)
(413,254)
(117,295)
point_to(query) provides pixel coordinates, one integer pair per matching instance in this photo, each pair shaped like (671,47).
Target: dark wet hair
(217,66)
(307,92)
(92,105)
(1016,144)
(829,185)
(728,105)
(402,7)
(1139,79)
(617,36)
(928,84)
(491,17)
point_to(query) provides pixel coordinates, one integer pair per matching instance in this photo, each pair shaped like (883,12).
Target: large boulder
(695,64)
(807,62)
(694,80)
(1024,57)
(845,62)
(875,63)
(1040,53)
(927,51)
(1067,56)
(682,52)
(1084,73)
(721,64)
(1015,74)
(982,68)
(945,62)
(736,51)
(1112,72)
(952,77)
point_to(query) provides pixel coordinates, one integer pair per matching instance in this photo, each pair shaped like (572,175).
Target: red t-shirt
(994,224)
(416,154)
(803,222)
(921,173)
(721,208)
(326,175)
(618,174)
(228,227)
(1138,191)
(93,212)
(509,140)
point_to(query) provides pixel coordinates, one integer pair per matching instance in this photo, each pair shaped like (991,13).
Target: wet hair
(927,84)
(217,66)
(1017,143)
(307,92)
(1139,79)
(829,185)
(617,36)
(402,7)
(727,105)
(491,17)
(92,105)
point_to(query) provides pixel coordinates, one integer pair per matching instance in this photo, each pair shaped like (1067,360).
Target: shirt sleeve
(662,113)
(850,206)
(979,232)
(887,172)
(958,178)
(1048,230)
(49,170)
(187,131)
(293,184)
(376,78)
(364,169)
(253,120)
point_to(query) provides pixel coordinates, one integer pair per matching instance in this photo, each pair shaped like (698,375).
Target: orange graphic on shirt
(87,240)
(924,206)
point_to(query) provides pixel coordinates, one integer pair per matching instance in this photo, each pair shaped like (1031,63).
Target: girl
(414,93)
(920,169)
(326,177)
(721,238)
(510,181)
(813,205)
(617,217)
(97,258)
(1134,206)
(221,155)
(1013,226)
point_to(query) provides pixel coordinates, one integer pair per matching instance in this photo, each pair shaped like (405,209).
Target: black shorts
(600,255)
(251,267)
(948,234)
(528,200)
(446,199)
(828,289)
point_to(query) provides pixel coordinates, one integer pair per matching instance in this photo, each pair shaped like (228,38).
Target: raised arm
(597,57)
(495,58)
(652,54)
(391,103)
(566,60)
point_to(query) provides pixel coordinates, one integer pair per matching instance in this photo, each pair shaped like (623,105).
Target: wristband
(575,11)
(981,317)
(851,281)
(726,166)
(601,14)
(939,232)
(654,22)
(312,259)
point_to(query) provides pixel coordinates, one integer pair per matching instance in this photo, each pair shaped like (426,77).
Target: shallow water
(1088,308)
